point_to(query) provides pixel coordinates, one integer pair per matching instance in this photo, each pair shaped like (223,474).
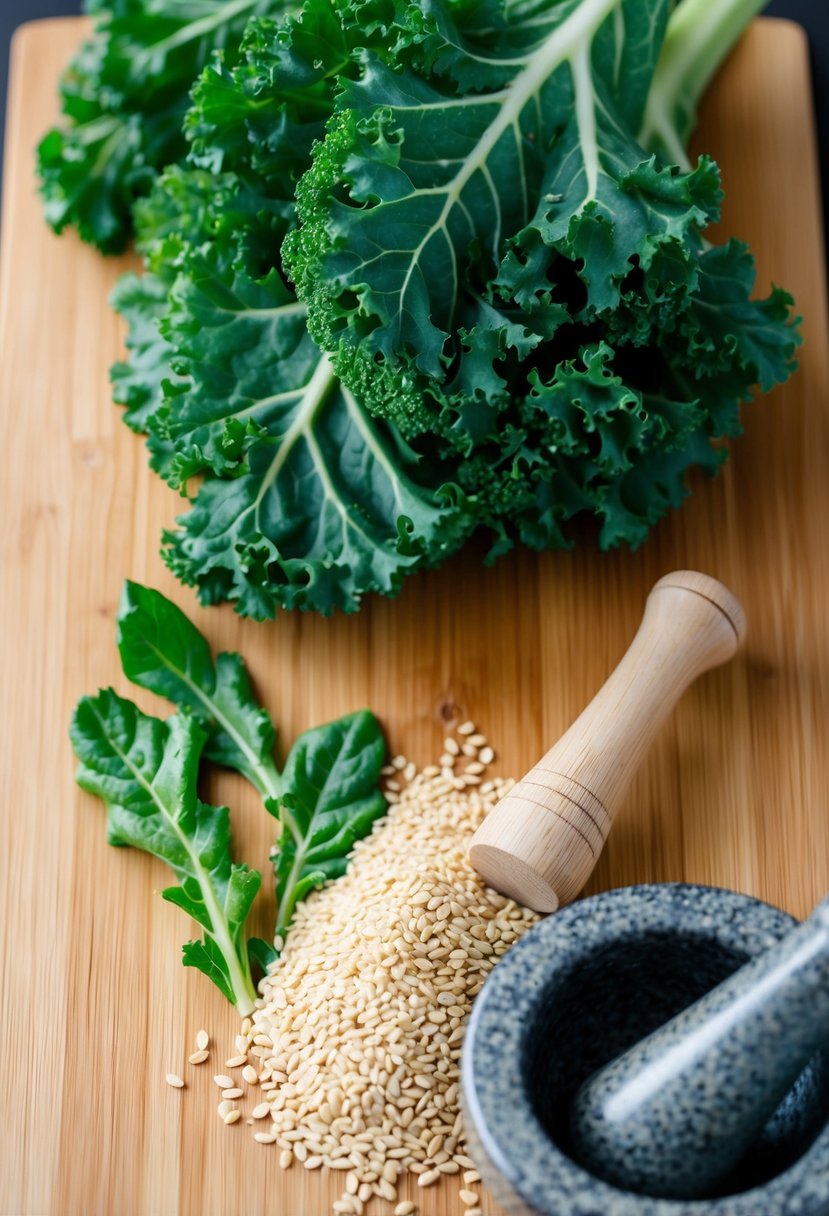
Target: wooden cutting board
(95,1005)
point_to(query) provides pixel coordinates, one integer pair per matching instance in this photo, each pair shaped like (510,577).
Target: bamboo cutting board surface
(96,1007)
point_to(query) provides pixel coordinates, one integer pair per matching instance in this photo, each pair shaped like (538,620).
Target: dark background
(813,14)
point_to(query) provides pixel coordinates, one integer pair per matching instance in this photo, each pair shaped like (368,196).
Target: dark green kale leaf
(331,799)
(124,98)
(145,770)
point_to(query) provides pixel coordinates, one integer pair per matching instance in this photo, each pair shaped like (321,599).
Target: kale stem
(700,34)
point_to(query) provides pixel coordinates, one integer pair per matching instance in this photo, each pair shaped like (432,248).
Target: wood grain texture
(95,1006)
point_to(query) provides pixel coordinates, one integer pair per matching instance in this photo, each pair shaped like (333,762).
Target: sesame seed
(357,1033)
(250,1074)
(406,1208)
(223,1082)
(202,1040)
(468,1197)
(429,1178)
(198,1057)
(236,1061)
(264,1137)
(174,1080)
(233,1116)
(233,1092)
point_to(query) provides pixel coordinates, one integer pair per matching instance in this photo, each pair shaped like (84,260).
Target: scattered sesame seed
(357,1034)
(250,1074)
(236,1061)
(233,1116)
(223,1082)
(174,1080)
(198,1057)
(468,1197)
(202,1040)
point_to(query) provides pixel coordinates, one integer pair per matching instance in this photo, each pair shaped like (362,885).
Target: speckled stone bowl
(583,986)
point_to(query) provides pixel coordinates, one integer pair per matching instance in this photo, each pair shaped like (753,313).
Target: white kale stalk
(700,35)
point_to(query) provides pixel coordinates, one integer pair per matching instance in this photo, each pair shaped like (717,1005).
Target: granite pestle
(674,1114)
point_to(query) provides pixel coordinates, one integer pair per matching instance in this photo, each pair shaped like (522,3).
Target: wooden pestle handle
(542,840)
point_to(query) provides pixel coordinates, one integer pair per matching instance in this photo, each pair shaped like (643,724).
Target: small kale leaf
(162,650)
(146,770)
(330,800)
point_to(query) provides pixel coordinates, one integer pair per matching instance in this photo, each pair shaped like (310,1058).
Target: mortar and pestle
(654,1050)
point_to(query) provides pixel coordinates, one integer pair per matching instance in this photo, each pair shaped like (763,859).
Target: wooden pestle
(542,840)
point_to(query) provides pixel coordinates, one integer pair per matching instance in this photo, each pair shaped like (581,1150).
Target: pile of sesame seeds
(354,1046)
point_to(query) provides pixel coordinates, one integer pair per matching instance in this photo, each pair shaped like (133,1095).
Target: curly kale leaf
(124,99)
(520,321)
(300,497)
(482,220)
